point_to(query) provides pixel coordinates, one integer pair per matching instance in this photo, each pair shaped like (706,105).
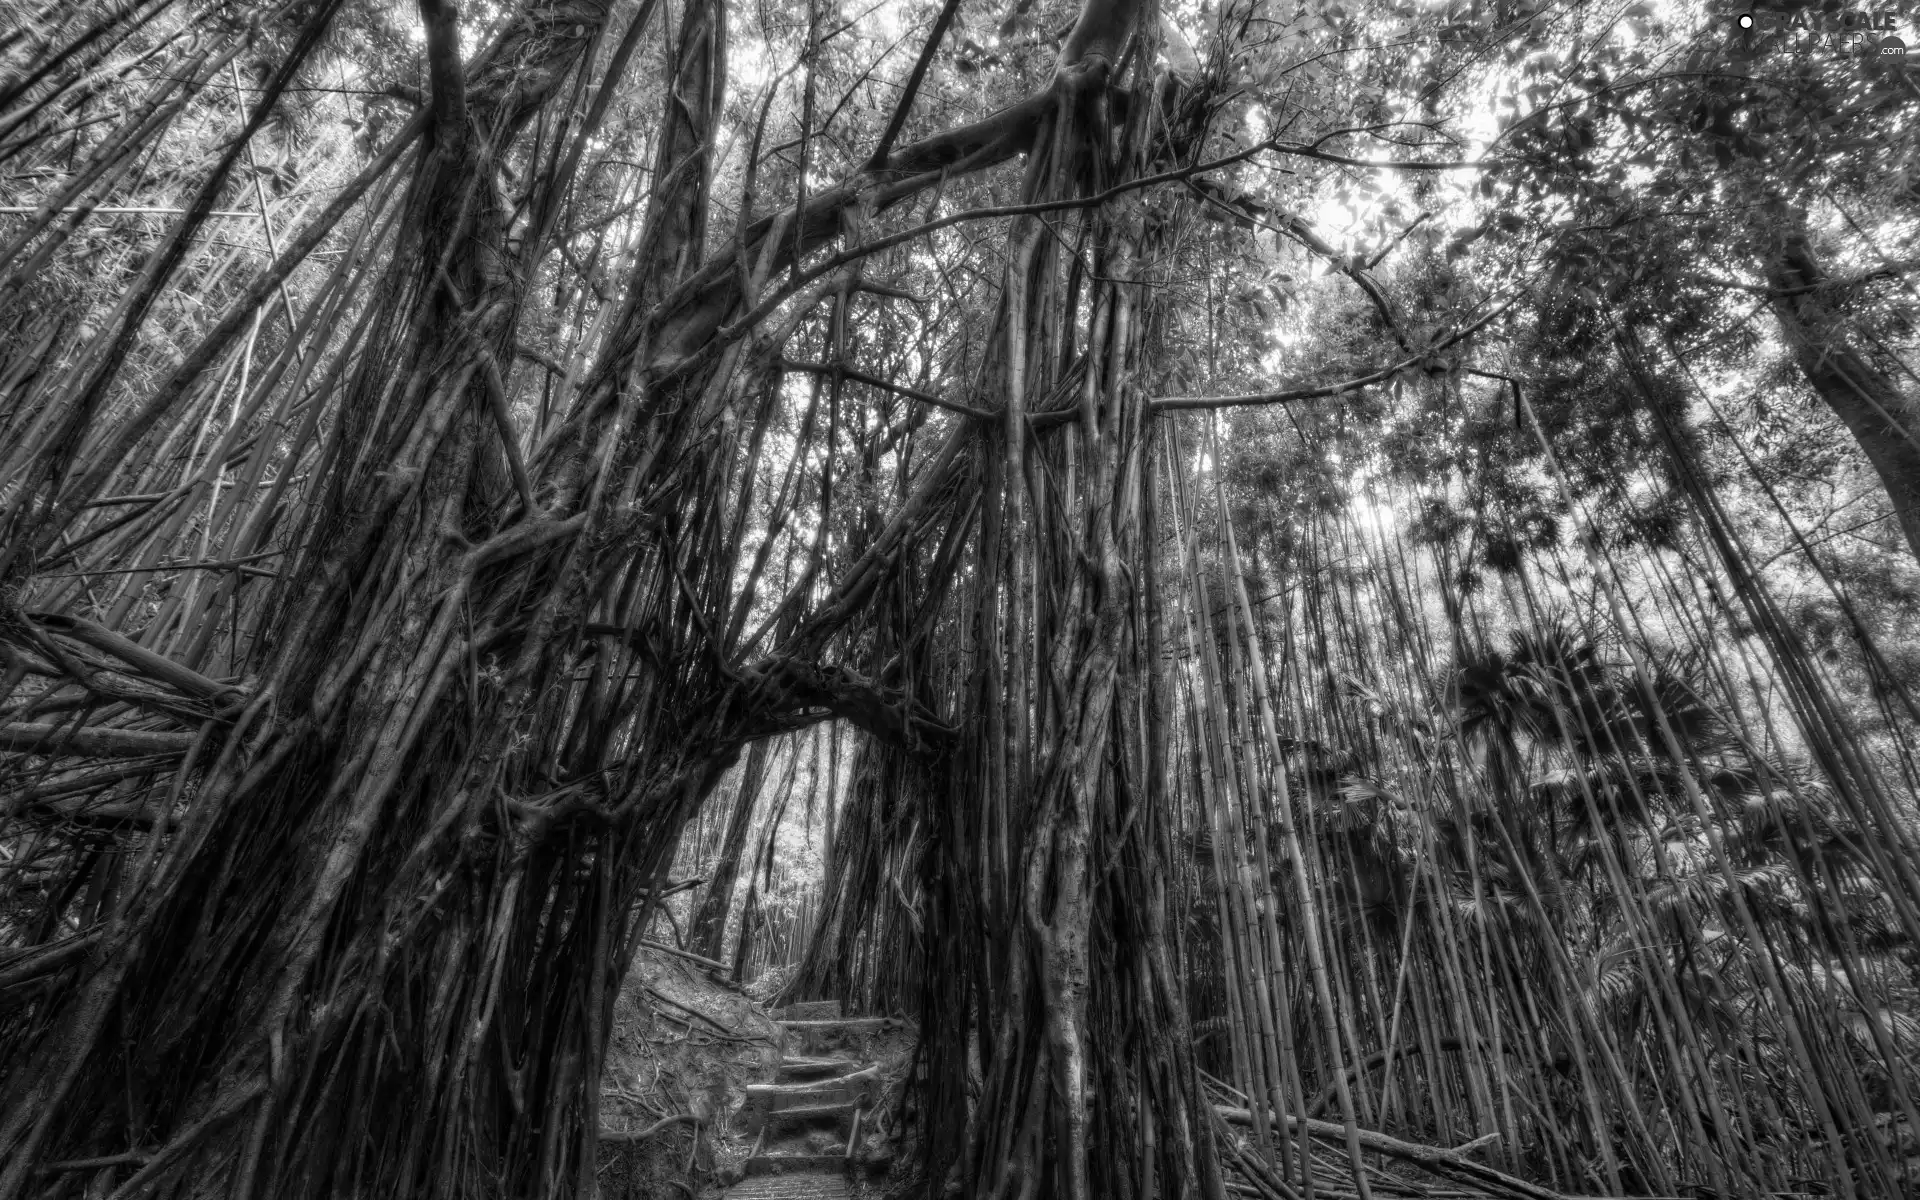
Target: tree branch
(912,89)
(1288,395)
(892,716)
(732,331)
(953,406)
(1299,150)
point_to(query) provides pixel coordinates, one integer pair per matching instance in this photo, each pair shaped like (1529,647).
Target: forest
(1307,599)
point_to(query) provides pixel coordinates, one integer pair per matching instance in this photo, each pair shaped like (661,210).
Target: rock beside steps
(808,1124)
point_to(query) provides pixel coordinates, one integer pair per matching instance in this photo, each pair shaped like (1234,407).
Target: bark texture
(1883,417)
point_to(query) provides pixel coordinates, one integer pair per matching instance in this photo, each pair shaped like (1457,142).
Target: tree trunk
(1883,418)
(378,952)
(709,932)
(865,947)
(1044,866)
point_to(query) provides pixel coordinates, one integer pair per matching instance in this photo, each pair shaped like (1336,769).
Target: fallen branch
(675,888)
(1447,1164)
(141,659)
(726,1033)
(689,955)
(1322,1102)
(124,211)
(628,1137)
(58,741)
(132,1158)
(98,816)
(37,961)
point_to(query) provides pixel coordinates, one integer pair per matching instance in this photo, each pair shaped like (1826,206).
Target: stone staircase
(812,1125)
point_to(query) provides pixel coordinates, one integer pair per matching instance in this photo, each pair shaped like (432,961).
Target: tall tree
(709,929)
(396,837)
(378,604)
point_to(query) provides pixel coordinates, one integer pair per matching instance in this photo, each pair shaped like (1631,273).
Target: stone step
(850,1024)
(810,1010)
(800,1118)
(833,1090)
(846,1033)
(800,1069)
(814,1165)
(812,1116)
(783,1105)
(800,1164)
(791,1187)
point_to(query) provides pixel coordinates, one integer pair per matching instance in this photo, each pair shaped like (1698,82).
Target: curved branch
(1299,150)
(732,331)
(1288,395)
(693,320)
(1242,208)
(893,717)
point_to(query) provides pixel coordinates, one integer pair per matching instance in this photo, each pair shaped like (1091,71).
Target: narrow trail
(813,1127)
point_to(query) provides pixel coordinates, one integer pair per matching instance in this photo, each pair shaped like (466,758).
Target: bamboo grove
(448,455)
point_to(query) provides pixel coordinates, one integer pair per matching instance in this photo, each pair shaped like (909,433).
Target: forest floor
(768,1107)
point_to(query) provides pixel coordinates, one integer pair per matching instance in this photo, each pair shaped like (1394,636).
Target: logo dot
(1746,20)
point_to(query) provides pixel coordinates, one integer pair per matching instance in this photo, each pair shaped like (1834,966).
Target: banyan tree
(1350,567)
